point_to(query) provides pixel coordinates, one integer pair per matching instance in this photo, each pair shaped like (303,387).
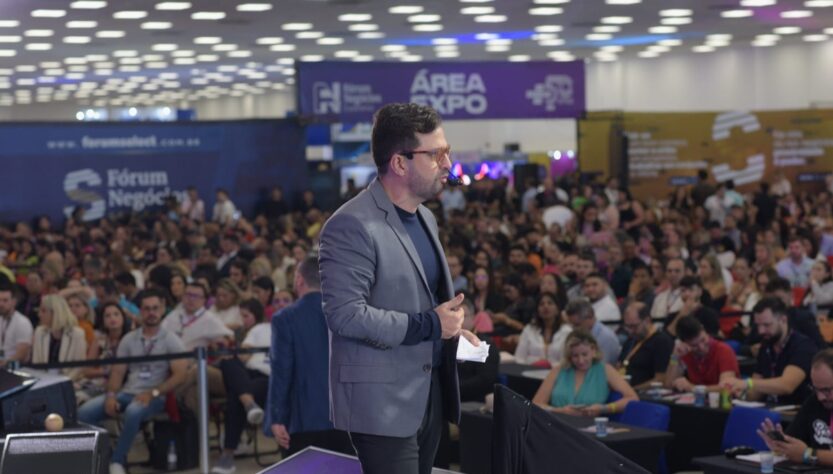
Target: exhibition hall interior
(384,236)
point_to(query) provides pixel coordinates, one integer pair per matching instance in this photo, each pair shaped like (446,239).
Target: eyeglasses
(826,391)
(437,154)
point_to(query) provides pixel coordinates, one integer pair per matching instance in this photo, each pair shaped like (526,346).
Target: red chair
(798,295)
(727,323)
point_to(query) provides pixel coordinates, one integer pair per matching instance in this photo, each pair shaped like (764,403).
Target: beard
(425,188)
(776,336)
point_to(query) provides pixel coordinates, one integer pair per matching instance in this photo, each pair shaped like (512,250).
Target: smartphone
(776,435)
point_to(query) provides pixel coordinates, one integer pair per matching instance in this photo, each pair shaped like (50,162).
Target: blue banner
(50,168)
(351,92)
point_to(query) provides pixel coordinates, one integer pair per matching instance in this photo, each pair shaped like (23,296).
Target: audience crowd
(610,292)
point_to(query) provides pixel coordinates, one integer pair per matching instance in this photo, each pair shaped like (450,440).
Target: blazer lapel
(65,343)
(392,218)
(446,290)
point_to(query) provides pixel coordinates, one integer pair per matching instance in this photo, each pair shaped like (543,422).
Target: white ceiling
(48,56)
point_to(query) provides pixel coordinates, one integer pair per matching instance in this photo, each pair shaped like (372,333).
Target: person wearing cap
(691,291)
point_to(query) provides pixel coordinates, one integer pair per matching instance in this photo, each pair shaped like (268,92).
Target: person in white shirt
(670,301)
(543,338)
(15,329)
(226,298)
(193,206)
(595,289)
(246,378)
(452,198)
(224,210)
(193,323)
(197,327)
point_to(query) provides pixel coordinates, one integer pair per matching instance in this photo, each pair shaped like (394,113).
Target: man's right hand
(451,316)
(111,406)
(281,435)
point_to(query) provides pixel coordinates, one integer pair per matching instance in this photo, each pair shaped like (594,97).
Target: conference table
(641,445)
(698,432)
(723,465)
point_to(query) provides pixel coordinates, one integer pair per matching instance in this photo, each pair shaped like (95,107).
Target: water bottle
(172,456)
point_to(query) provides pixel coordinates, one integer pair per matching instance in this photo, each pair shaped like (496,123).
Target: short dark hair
(778,284)
(196,284)
(596,275)
(241,265)
(587,255)
(691,281)
(253,306)
(151,293)
(688,328)
(642,310)
(640,265)
(395,127)
(125,278)
(772,303)
(308,269)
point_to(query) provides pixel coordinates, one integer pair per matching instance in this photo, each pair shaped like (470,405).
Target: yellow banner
(666,150)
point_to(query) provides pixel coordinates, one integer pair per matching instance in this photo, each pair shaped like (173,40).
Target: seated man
(596,289)
(808,439)
(143,394)
(581,316)
(784,360)
(197,326)
(691,292)
(646,352)
(703,359)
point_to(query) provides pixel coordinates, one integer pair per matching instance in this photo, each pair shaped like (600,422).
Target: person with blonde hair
(79,304)
(227,296)
(582,383)
(58,337)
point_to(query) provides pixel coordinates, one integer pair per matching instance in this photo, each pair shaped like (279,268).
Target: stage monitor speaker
(79,452)
(26,410)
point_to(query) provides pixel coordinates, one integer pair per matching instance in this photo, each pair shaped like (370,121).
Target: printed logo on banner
(72,183)
(755,164)
(557,89)
(125,189)
(326,97)
(449,93)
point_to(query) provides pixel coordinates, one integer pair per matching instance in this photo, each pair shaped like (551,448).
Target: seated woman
(542,340)
(581,384)
(111,323)
(79,304)
(58,337)
(246,378)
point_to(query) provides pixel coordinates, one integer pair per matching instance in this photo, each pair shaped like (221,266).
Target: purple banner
(351,92)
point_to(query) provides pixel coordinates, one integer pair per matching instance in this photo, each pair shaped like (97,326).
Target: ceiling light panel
(254,7)
(130,15)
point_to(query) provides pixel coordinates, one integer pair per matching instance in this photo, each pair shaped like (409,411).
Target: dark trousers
(334,440)
(239,380)
(412,455)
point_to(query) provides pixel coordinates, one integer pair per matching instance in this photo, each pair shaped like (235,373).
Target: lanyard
(183,324)
(147,350)
(638,346)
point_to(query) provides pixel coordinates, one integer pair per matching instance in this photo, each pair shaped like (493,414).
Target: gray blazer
(371,279)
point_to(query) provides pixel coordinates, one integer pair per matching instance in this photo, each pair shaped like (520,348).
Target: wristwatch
(155,392)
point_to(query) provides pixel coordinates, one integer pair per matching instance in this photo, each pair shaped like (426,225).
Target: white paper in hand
(467,351)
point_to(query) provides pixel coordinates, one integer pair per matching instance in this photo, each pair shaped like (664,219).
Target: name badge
(144,372)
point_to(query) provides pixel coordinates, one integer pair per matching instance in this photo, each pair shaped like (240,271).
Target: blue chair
(649,415)
(742,425)
(735,345)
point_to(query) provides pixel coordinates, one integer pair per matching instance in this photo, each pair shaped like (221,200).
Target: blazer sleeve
(347,263)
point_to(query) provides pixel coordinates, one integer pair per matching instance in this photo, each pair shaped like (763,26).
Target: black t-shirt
(812,425)
(652,357)
(798,351)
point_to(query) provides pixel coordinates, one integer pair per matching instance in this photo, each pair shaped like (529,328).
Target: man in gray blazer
(387,296)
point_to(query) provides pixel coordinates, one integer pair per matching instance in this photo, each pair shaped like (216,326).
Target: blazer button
(426,368)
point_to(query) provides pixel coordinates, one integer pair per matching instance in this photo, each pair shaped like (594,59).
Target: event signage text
(351,92)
